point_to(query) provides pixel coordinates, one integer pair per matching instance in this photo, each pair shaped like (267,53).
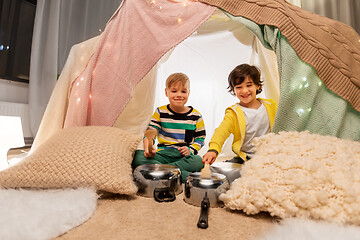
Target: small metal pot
(196,189)
(159,181)
(231,170)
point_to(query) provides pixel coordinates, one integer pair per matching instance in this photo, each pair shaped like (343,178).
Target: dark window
(16,30)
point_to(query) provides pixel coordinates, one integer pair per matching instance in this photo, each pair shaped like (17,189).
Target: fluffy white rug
(301,229)
(43,214)
(299,174)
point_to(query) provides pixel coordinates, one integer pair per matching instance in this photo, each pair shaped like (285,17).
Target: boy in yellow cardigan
(251,117)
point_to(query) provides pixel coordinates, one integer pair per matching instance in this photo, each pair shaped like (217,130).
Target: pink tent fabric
(140,33)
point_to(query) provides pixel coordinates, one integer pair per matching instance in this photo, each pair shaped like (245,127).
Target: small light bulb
(300,111)
(179,20)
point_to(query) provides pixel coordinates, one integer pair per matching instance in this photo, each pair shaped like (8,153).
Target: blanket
(126,53)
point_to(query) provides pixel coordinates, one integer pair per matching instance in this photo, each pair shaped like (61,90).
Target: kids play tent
(310,64)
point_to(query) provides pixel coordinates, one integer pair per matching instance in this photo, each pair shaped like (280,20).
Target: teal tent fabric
(305,102)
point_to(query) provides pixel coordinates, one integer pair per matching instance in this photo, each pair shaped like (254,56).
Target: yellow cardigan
(234,122)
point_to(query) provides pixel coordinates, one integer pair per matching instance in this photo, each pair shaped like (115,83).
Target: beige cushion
(92,156)
(300,175)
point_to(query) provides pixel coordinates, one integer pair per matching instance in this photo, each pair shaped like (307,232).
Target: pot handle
(164,194)
(203,219)
(187,189)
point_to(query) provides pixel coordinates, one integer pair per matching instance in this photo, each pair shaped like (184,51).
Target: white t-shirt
(257,124)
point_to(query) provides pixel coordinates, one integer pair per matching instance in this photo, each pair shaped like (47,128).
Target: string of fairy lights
(157,5)
(184,3)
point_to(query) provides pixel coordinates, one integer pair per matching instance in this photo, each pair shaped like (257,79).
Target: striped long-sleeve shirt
(178,129)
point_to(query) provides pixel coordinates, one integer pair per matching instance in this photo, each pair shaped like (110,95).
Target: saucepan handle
(203,219)
(164,194)
(187,189)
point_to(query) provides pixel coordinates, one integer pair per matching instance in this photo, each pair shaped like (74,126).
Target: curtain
(295,2)
(346,11)
(81,20)
(59,24)
(43,59)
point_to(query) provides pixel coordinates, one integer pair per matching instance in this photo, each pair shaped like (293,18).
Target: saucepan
(196,187)
(159,181)
(231,170)
(205,192)
(222,175)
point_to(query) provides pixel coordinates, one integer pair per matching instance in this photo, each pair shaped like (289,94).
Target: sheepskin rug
(43,214)
(303,229)
(296,174)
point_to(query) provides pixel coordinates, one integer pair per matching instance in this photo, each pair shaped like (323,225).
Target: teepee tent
(207,57)
(309,63)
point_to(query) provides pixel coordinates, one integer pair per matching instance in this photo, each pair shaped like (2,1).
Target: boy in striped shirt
(180,131)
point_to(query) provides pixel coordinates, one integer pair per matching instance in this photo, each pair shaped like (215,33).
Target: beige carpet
(124,217)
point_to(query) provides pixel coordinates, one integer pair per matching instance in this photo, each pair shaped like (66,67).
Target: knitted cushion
(300,175)
(98,157)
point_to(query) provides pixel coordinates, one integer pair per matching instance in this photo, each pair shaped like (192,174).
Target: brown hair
(240,72)
(178,77)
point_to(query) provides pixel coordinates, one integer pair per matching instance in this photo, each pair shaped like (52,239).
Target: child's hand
(184,151)
(149,151)
(209,157)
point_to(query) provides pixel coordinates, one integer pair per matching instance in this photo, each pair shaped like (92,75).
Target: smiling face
(178,95)
(246,93)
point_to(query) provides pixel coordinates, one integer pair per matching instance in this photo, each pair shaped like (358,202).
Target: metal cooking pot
(205,192)
(159,181)
(196,188)
(231,170)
